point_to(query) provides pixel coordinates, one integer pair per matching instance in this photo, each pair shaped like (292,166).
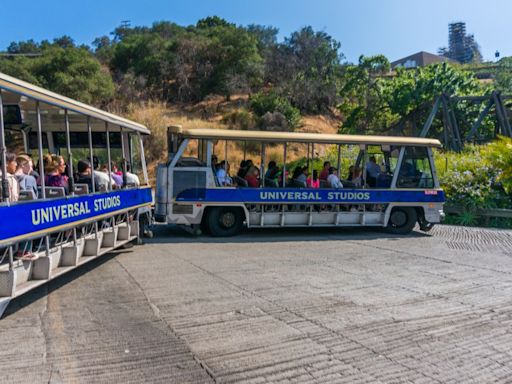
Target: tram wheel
(224,221)
(402,220)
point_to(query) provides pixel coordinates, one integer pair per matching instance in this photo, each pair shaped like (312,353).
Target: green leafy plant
(262,103)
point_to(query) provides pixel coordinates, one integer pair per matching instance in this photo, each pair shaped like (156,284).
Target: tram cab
(91,189)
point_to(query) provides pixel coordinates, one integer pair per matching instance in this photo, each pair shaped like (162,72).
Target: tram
(48,229)
(397,186)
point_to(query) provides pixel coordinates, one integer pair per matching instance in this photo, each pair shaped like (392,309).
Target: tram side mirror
(12,115)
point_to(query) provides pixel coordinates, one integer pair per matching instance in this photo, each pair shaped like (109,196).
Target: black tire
(224,221)
(402,220)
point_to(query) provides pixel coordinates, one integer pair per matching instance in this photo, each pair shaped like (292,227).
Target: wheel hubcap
(398,218)
(227,219)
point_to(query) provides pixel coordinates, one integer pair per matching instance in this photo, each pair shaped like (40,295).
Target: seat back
(240,182)
(53,192)
(271,183)
(27,195)
(81,189)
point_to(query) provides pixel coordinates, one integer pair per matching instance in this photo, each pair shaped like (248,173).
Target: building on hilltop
(420,59)
(462,47)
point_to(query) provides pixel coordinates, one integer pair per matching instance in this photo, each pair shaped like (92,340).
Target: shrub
(262,103)
(239,119)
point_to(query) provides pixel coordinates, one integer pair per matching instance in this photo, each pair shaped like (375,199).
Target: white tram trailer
(406,193)
(48,232)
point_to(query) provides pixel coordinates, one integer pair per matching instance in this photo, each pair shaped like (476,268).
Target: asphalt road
(265,307)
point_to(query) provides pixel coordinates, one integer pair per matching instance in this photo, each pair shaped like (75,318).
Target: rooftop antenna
(125,23)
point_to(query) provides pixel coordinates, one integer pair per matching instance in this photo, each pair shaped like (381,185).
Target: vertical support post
(284,166)
(41,166)
(109,156)
(91,157)
(70,164)
(5,183)
(143,159)
(339,160)
(312,160)
(263,161)
(225,159)
(245,150)
(70,156)
(123,157)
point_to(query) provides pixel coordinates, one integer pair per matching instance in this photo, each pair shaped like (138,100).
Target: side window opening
(416,170)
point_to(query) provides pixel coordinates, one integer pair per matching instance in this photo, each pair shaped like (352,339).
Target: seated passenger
(252,177)
(118,180)
(333,180)
(313,182)
(372,171)
(299,178)
(222,174)
(131,178)
(356,178)
(324,174)
(350,172)
(26,181)
(245,165)
(13,185)
(100,177)
(54,167)
(84,175)
(33,172)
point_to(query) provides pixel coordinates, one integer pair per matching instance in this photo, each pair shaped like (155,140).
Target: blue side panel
(30,217)
(327,196)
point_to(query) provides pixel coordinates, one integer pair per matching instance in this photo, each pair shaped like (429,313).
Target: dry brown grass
(157,116)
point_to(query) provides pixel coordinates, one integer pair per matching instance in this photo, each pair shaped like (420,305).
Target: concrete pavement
(293,306)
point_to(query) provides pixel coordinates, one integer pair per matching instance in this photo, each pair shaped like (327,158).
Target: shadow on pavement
(30,297)
(174,234)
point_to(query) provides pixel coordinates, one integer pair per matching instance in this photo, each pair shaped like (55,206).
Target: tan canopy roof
(296,137)
(52,105)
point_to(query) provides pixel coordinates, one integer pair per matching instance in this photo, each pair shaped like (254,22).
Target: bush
(239,119)
(262,103)
(477,178)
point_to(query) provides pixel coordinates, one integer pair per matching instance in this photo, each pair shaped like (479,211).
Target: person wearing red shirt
(252,177)
(325,171)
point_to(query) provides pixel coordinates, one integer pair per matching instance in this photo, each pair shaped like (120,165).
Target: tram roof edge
(298,137)
(14,85)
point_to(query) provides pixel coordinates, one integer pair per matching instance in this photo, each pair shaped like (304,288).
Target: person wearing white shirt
(333,179)
(223,174)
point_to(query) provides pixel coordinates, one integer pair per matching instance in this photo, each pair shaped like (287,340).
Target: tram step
(93,245)
(110,238)
(71,254)
(27,286)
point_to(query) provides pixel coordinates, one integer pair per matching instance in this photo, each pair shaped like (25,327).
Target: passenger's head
(214,160)
(83,167)
(52,163)
(224,164)
(315,174)
(327,164)
(10,162)
(373,160)
(332,170)
(296,172)
(61,165)
(243,163)
(249,163)
(24,164)
(305,170)
(113,166)
(356,172)
(272,164)
(253,171)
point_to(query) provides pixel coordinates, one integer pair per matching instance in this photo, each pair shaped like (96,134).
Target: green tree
(67,69)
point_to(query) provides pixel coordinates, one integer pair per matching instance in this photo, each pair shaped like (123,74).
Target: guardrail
(485,213)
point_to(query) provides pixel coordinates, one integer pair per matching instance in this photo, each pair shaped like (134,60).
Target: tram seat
(324,184)
(81,189)
(131,185)
(52,192)
(27,196)
(271,183)
(347,184)
(240,182)
(102,188)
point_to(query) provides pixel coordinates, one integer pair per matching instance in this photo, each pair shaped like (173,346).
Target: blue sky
(395,28)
